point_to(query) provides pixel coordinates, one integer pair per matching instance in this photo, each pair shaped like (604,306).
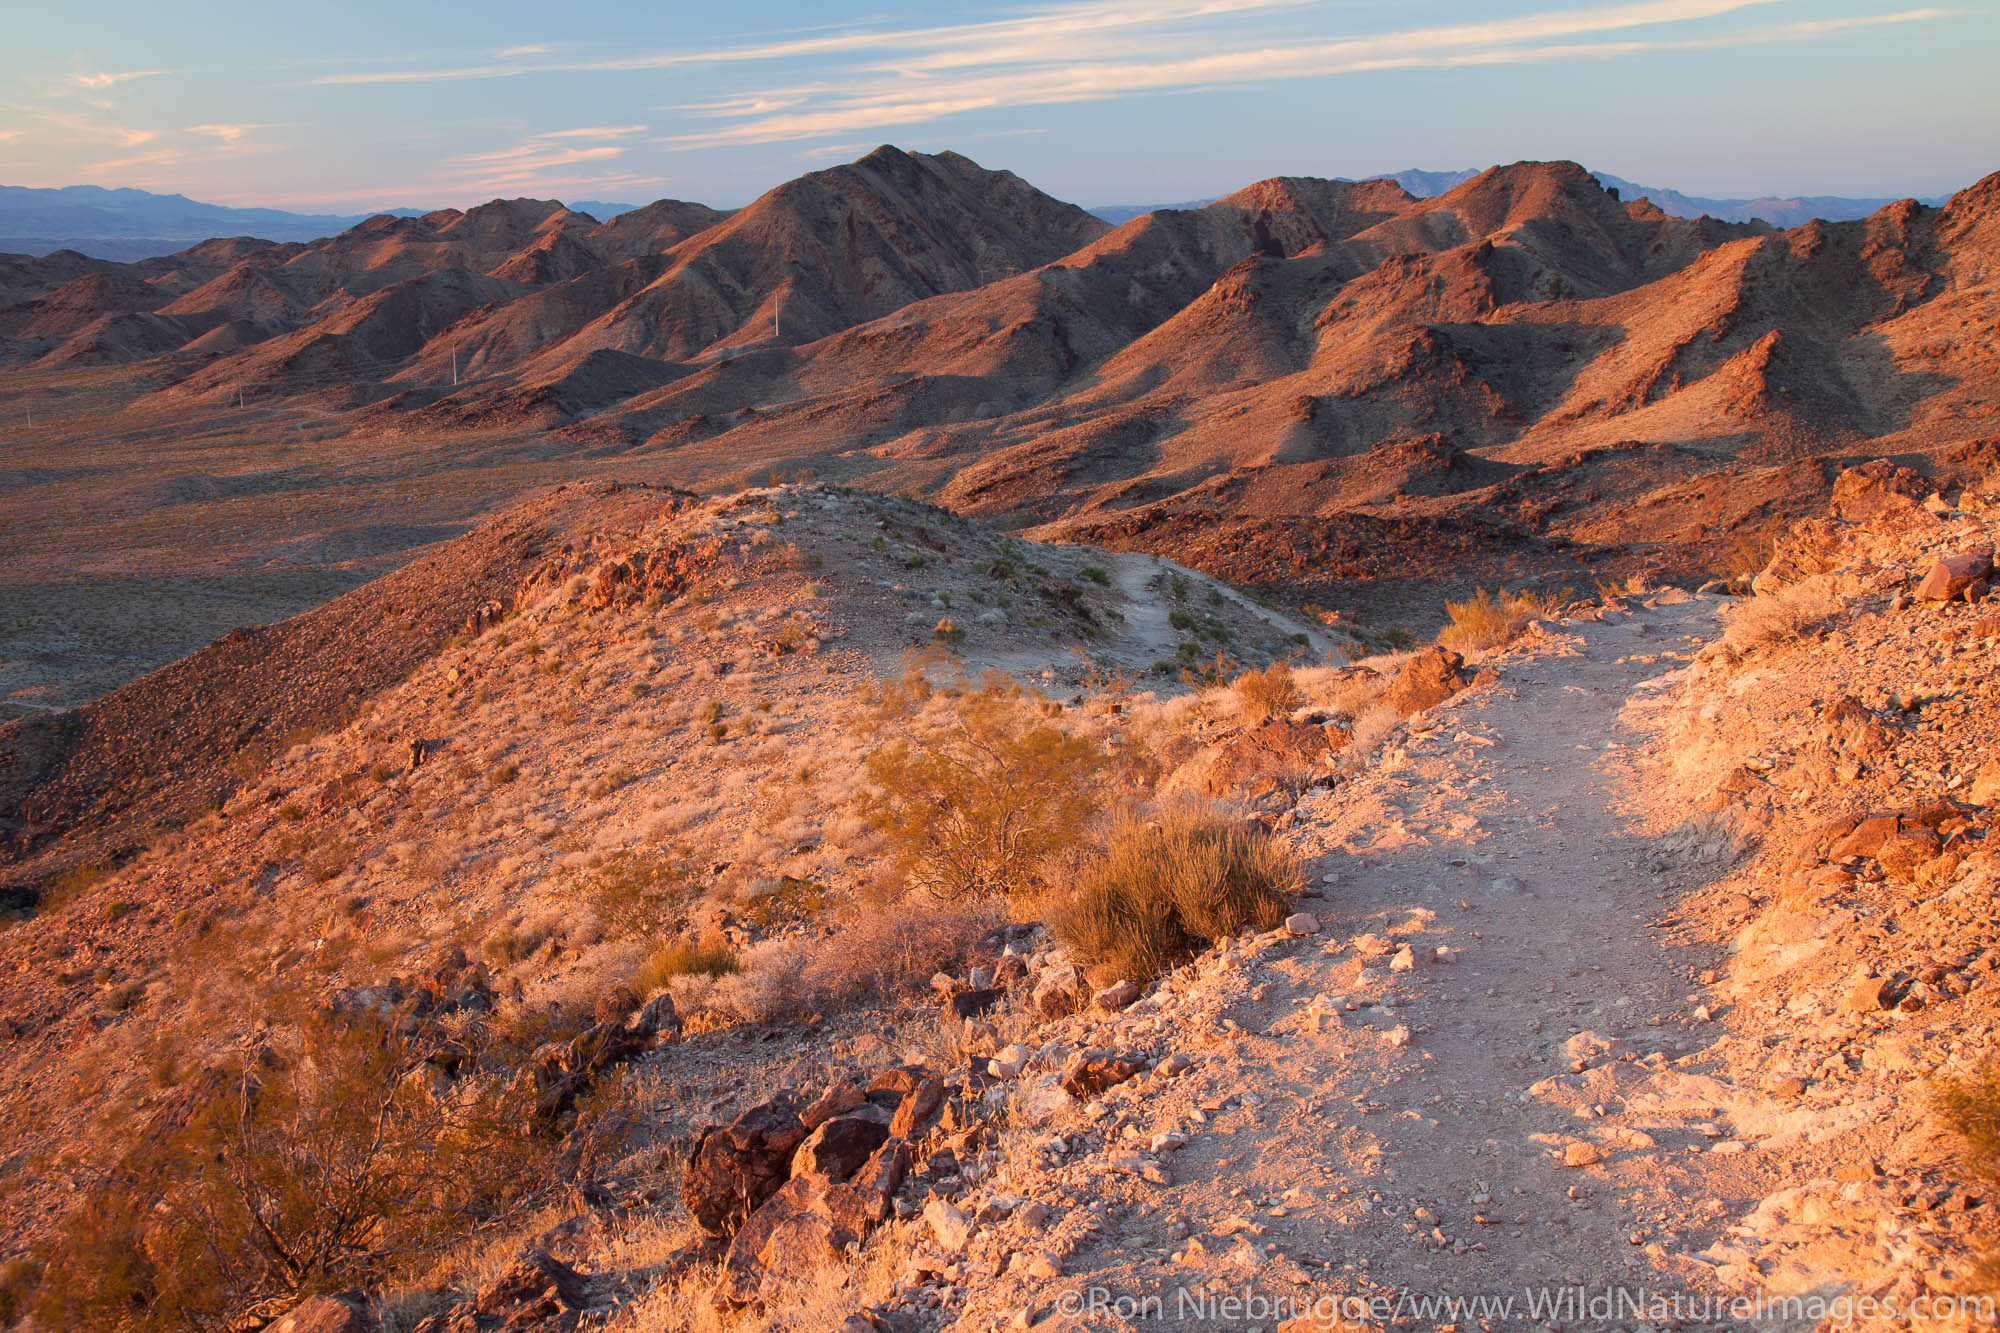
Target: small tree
(973,790)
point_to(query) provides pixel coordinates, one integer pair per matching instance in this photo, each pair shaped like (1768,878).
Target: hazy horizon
(1104,102)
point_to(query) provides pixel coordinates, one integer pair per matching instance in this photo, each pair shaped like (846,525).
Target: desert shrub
(1095,574)
(1488,620)
(609,781)
(762,985)
(1970,1108)
(638,893)
(1268,693)
(683,958)
(72,884)
(511,944)
(1370,730)
(973,789)
(1165,888)
(502,774)
(124,995)
(308,1172)
(1775,617)
(791,898)
(948,631)
(880,952)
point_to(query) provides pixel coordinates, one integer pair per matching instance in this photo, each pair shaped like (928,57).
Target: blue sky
(373,104)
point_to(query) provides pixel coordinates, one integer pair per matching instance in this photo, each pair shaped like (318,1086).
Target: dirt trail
(1370,1119)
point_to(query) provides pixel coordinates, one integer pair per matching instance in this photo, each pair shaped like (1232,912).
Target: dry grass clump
(1268,693)
(1488,620)
(1370,730)
(894,947)
(1164,889)
(1776,617)
(762,985)
(684,958)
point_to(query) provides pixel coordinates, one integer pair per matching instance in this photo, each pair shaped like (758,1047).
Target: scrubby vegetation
(973,789)
(683,958)
(1777,616)
(1268,693)
(1166,887)
(1488,620)
(296,1171)
(1970,1106)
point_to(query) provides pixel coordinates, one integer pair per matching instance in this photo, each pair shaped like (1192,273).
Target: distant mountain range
(130,224)
(127,224)
(1779,211)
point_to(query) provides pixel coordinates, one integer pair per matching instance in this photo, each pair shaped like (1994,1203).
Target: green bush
(973,789)
(1095,574)
(1164,889)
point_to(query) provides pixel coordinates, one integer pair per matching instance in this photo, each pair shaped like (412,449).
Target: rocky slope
(1627,959)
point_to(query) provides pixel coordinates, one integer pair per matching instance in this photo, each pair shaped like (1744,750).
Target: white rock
(1302,923)
(952,1228)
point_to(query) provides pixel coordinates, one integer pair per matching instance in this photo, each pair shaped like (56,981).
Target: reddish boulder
(1089,1073)
(839,1147)
(918,1109)
(1954,574)
(1272,751)
(734,1168)
(1427,678)
(809,1223)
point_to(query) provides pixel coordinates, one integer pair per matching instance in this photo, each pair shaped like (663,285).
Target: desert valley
(903,757)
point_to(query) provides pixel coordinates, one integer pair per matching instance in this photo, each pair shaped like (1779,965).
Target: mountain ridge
(1337,389)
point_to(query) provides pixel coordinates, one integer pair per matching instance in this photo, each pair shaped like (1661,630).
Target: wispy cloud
(110,79)
(959,78)
(1044,25)
(883,77)
(549,161)
(228,134)
(594,132)
(159,157)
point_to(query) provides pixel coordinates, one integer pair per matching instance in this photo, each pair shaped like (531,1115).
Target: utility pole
(454,365)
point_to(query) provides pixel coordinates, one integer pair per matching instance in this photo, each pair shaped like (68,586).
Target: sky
(369,104)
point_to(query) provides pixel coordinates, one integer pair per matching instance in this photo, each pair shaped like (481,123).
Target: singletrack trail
(1482,1080)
